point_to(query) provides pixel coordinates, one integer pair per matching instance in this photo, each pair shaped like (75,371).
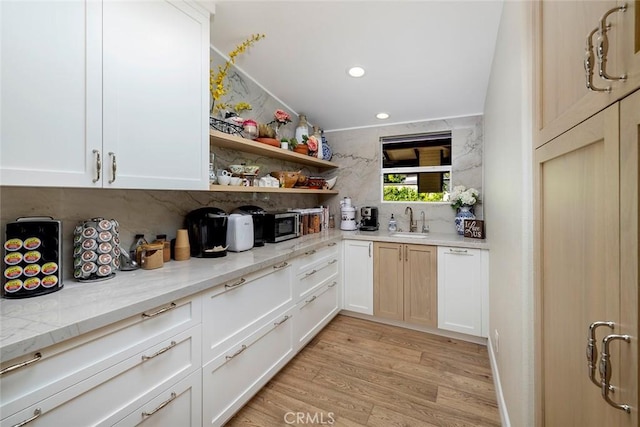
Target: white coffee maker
(348,215)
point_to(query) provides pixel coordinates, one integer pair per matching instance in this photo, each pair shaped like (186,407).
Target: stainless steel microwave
(280,226)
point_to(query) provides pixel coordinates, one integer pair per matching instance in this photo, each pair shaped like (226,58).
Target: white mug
(223,172)
(224,179)
(236,180)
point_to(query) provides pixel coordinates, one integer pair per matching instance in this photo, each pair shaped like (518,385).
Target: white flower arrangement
(461,196)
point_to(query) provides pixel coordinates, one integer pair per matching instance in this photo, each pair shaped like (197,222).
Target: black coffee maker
(258,221)
(369,215)
(207,229)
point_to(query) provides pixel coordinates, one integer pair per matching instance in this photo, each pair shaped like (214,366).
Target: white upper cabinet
(104,94)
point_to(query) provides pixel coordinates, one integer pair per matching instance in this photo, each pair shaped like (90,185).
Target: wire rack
(225,127)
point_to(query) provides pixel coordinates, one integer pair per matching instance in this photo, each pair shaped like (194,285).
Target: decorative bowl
(236,169)
(315,182)
(251,169)
(290,178)
(331,182)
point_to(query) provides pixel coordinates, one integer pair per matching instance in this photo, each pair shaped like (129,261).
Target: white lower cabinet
(358,276)
(233,377)
(314,312)
(463,290)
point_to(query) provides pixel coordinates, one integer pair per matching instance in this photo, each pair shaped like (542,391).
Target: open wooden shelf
(241,189)
(232,142)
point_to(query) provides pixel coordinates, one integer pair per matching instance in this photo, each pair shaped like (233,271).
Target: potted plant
(298,147)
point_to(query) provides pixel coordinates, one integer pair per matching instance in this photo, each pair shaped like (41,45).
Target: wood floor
(360,373)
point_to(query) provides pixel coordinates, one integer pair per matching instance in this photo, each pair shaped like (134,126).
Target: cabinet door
(560,37)
(460,288)
(630,45)
(578,280)
(358,276)
(388,280)
(51,105)
(156,61)
(420,285)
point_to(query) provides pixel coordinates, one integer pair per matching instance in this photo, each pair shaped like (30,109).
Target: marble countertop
(30,324)
(436,239)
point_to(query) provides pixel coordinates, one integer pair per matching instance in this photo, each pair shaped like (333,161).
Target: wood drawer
(65,364)
(232,378)
(237,308)
(315,275)
(105,397)
(305,261)
(313,313)
(178,406)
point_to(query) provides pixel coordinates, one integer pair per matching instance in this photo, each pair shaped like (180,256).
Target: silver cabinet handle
(313,298)
(8,369)
(284,319)
(159,352)
(238,283)
(98,166)
(592,350)
(160,311)
(312,272)
(278,267)
(458,251)
(311,252)
(114,166)
(406,253)
(370,250)
(602,48)
(160,406)
(332,285)
(332,244)
(333,261)
(400,254)
(237,353)
(589,59)
(36,414)
(605,371)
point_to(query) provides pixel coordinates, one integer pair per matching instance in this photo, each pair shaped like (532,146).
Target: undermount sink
(409,235)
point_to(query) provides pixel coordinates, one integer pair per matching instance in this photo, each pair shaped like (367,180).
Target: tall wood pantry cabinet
(104,94)
(586,216)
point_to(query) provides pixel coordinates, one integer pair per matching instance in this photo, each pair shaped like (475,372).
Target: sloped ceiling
(423,59)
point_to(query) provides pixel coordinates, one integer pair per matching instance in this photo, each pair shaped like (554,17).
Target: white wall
(508,211)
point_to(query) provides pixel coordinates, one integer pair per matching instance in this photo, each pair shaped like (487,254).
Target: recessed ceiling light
(382,116)
(356,71)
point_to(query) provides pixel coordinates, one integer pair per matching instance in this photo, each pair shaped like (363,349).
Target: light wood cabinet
(560,38)
(405,282)
(358,276)
(116,99)
(586,209)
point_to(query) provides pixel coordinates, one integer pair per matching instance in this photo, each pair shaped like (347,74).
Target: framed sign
(474,228)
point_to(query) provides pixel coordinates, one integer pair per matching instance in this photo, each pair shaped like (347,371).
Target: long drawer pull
(237,353)
(332,285)
(602,47)
(333,261)
(284,319)
(36,414)
(312,299)
(589,59)
(312,272)
(238,283)
(278,267)
(592,349)
(160,406)
(159,352)
(458,251)
(160,311)
(311,252)
(332,244)
(605,371)
(36,357)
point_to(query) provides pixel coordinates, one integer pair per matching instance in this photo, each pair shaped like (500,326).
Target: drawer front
(70,362)
(230,380)
(237,310)
(315,276)
(178,406)
(314,313)
(106,396)
(305,261)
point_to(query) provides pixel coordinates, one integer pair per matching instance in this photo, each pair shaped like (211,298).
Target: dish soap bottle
(393,226)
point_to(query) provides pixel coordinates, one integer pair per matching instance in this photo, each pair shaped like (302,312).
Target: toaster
(239,233)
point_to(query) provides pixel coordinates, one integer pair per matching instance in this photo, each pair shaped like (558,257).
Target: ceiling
(423,59)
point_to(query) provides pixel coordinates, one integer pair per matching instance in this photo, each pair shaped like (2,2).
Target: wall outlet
(496,341)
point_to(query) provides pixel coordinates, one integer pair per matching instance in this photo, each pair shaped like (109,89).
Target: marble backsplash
(358,152)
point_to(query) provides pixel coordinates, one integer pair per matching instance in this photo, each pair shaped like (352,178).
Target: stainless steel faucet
(413,226)
(425,228)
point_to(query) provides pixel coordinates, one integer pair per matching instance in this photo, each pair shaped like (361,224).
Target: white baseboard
(502,405)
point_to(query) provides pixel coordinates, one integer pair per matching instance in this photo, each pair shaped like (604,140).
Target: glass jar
(302,129)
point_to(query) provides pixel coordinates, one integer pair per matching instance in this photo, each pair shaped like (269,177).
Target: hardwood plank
(371,346)
(385,417)
(250,416)
(483,408)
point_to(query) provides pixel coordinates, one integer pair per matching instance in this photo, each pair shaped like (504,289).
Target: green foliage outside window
(392,193)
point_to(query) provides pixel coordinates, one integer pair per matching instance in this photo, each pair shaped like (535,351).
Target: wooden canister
(182,250)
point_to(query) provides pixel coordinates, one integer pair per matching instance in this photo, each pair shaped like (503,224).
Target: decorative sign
(474,228)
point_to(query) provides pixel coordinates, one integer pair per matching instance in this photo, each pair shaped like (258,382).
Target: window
(416,168)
